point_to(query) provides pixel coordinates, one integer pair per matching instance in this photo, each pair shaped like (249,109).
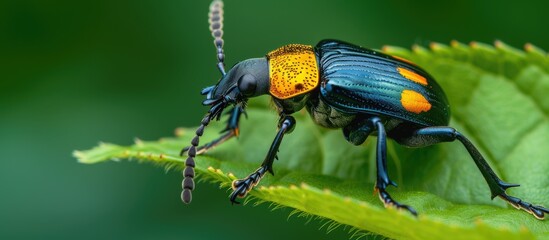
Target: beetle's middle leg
(241,187)
(357,133)
(232,130)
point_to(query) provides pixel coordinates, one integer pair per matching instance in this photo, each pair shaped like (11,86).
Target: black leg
(432,135)
(230,131)
(383,180)
(241,187)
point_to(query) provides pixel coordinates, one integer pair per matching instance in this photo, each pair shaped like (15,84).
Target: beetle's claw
(233,198)
(240,190)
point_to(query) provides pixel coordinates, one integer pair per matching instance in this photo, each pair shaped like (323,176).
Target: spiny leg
(230,131)
(241,187)
(432,135)
(381,162)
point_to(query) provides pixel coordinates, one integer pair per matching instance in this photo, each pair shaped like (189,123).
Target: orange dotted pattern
(414,102)
(293,70)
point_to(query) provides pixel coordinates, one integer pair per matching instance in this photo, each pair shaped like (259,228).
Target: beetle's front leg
(232,130)
(241,187)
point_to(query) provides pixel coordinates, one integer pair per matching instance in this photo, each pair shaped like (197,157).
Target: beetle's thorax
(293,71)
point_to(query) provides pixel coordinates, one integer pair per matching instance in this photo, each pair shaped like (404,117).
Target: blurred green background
(74,73)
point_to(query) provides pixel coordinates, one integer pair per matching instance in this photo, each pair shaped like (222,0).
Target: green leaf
(498,101)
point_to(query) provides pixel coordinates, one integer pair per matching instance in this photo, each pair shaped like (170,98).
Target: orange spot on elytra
(412,76)
(414,102)
(404,60)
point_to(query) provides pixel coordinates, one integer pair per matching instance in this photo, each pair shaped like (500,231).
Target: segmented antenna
(188,173)
(215,18)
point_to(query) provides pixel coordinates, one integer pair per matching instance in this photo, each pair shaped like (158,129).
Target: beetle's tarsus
(241,187)
(536,210)
(389,202)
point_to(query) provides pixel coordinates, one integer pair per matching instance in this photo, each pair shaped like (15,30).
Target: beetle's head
(247,79)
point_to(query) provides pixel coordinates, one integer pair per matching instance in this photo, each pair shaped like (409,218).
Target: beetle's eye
(247,85)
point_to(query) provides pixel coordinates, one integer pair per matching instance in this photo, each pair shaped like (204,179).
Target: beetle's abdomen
(293,70)
(356,79)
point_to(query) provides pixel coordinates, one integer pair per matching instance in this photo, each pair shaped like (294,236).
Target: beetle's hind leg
(232,130)
(432,135)
(356,133)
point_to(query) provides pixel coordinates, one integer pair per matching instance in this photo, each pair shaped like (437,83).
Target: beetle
(341,85)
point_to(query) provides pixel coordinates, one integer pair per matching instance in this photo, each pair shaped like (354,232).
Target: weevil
(341,85)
